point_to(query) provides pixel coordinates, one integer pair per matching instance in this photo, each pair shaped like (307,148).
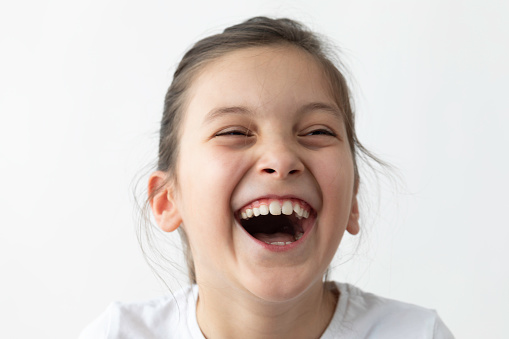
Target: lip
(280,248)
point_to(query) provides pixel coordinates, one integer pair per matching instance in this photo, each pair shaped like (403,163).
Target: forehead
(266,78)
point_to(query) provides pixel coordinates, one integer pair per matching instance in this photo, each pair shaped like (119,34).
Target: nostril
(270,170)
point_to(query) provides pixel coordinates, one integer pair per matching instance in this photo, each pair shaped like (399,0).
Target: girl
(258,171)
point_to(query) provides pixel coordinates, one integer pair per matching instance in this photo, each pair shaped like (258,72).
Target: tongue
(274,237)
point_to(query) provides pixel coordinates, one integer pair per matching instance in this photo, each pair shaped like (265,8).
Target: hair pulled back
(255,32)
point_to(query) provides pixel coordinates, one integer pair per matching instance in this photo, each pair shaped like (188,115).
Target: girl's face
(261,128)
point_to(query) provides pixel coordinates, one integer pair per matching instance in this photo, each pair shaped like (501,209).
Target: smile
(277,222)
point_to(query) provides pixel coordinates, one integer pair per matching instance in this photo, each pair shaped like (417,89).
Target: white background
(81,93)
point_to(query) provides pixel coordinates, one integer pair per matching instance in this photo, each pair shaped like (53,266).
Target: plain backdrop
(81,93)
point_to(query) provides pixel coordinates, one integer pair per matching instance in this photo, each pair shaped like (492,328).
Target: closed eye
(321,132)
(234,132)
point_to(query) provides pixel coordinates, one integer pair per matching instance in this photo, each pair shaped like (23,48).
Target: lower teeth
(282,243)
(279,243)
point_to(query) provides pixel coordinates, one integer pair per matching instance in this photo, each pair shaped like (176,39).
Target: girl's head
(258,117)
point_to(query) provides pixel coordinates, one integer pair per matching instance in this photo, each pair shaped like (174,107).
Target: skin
(275,144)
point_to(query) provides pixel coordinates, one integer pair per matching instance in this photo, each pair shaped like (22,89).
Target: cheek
(335,170)
(336,183)
(207,179)
(336,180)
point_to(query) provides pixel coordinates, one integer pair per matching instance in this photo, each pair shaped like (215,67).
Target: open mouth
(275,221)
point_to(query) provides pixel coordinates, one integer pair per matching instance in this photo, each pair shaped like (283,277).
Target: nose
(280,160)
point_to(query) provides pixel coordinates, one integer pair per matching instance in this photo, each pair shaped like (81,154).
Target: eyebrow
(221,111)
(321,106)
(241,110)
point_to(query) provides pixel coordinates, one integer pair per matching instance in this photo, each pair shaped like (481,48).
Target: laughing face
(265,176)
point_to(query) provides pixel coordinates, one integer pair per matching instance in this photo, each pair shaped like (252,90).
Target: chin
(279,287)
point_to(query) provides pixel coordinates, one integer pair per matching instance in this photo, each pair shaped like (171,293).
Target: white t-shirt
(357,315)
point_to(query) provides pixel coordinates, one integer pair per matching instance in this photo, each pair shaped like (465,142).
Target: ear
(353,221)
(162,202)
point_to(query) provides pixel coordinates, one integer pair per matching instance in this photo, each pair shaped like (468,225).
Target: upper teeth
(275,207)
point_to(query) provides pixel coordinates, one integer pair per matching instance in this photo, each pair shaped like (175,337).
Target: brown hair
(255,32)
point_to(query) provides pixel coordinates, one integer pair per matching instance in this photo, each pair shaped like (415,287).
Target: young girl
(258,171)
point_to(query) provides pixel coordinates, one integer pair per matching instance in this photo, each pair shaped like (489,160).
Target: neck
(234,314)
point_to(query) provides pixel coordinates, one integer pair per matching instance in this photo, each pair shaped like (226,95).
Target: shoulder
(160,317)
(366,315)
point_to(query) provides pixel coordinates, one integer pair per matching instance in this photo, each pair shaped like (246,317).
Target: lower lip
(281,248)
